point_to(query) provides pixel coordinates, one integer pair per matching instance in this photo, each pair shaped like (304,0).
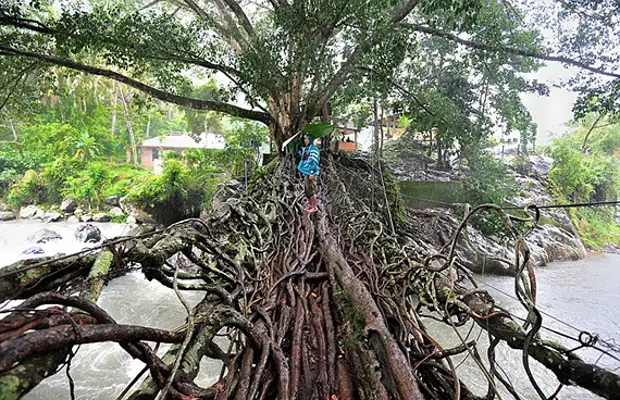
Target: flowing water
(584,294)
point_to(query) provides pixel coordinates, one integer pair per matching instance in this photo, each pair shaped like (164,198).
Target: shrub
(174,195)
(28,190)
(487,180)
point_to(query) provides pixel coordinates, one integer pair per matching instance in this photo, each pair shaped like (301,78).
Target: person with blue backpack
(309,168)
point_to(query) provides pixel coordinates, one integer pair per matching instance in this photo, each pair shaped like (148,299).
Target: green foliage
(243,140)
(487,181)
(28,190)
(174,195)
(597,227)
(576,176)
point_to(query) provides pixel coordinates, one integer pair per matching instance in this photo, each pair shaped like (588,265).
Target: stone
(29,212)
(73,219)
(7,216)
(124,204)
(141,230)
(87,233)
(131,220)
(142,217)
(116,212)
(540,165)
(78,212)
(43,236)
(68,205)
(39,214)
(112,201)
(86,218)
(33,250)
(52,216)
(101,217)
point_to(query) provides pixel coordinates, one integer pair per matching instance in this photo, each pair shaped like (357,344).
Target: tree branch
(15,350)
(242,18)
(154,92)
(508,49)
(28,24)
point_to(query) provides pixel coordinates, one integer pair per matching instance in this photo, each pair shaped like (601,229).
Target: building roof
(209,140)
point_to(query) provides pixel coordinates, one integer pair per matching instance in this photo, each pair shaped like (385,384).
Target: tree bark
(132,138)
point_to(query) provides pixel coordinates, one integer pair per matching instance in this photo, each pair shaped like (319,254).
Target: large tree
(285,59)
(328,306)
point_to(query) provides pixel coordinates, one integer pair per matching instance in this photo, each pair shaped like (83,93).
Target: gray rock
(101,217)
(6,216)
(116,211)
(124,204)
(86,218)
(131,220)
(44,236)
(52,216)
(141,230)
(33,250)
(540,165)
(68,205)
(88,233)
(112,201)
(39,214)
(142,217)
(73,219)
(78,212)
(29,212)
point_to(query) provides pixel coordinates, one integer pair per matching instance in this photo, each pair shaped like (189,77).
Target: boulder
(68,205)
(44,236)
(124,204)
(33,250)
(131,220)
(73,219)
(112,201)
(87,233)
(116,212)
(142,217)
(6,216)
(86,218)
(52,216)
(78,212)
(39,214)
(29,212)
(101,217)
(141,230)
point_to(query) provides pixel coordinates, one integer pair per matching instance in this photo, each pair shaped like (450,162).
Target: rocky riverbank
(553,239)
(116,209)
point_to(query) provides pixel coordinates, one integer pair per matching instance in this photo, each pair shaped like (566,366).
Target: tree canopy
(284,60)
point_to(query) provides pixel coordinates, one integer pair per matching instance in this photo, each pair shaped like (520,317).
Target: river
(584,294)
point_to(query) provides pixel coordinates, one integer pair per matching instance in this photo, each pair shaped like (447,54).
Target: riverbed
(582,295)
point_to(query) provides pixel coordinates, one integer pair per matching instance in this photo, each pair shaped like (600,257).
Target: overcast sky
(551,113)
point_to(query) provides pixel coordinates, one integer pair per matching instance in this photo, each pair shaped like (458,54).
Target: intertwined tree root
(324,306)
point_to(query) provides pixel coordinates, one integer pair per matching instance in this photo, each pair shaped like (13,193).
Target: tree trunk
(114,99)
(13,130)
(129,127)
